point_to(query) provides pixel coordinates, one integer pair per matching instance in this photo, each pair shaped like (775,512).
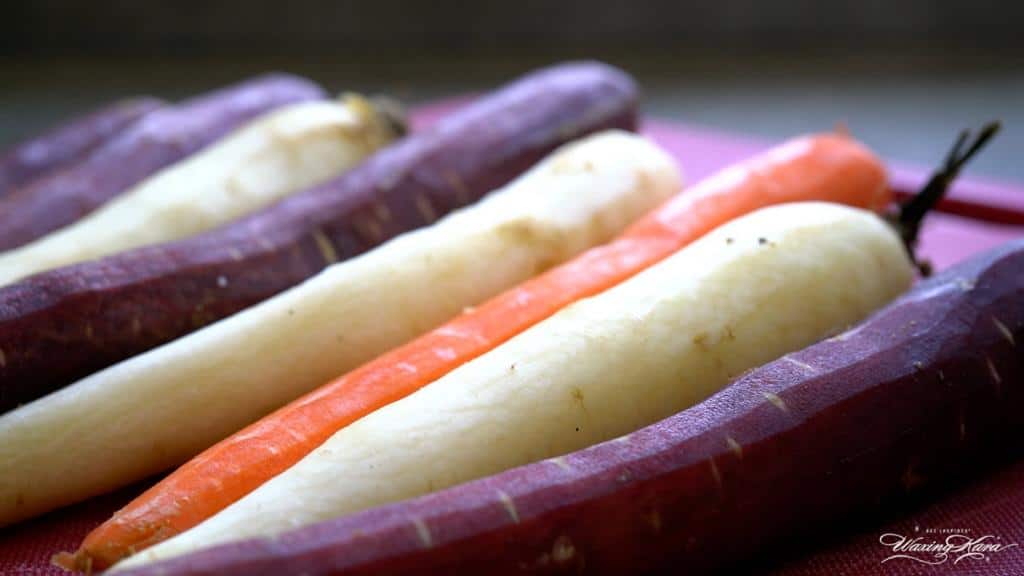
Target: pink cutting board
(978,215)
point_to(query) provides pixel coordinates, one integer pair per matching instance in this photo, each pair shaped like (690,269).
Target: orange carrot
(825,167)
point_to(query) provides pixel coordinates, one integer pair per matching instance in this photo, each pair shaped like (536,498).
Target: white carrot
(279,153)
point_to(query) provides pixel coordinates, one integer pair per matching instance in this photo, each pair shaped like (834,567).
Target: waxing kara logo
(937,546)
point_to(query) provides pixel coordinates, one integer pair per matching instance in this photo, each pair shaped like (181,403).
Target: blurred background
(902,75)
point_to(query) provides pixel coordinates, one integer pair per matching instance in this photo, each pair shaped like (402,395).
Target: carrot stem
(912,212)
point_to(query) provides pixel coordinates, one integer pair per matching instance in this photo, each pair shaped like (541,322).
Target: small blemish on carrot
(776,401)
(715,473)
(370,229)
(1005,331)
(734,446)
(3,358)
(523,297)
(509,505)
(561,463)
(445,353)
(423,532)
(462,195)
(802,365)
(425,208)
(842,336)
(382,212)
(701,340)
(577,394)
(323,243)
(562,550)
(996,378)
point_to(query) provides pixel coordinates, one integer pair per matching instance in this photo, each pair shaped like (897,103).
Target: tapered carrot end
(73,561)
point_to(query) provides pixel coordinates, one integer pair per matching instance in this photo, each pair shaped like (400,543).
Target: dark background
(904,76)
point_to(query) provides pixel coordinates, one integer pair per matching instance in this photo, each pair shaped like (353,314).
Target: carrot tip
(73,561)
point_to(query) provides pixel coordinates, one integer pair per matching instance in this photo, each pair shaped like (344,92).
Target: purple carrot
(68,143)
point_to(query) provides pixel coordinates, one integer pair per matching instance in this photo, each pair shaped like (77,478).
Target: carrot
(824,167)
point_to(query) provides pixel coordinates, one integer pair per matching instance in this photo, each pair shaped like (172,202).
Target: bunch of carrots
(827,167)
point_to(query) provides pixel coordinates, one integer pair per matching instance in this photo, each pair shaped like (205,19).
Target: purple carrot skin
(923,388)
(157,140)
(66,144)
(64,324)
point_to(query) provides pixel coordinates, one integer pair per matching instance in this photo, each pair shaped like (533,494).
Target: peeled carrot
(823,167)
